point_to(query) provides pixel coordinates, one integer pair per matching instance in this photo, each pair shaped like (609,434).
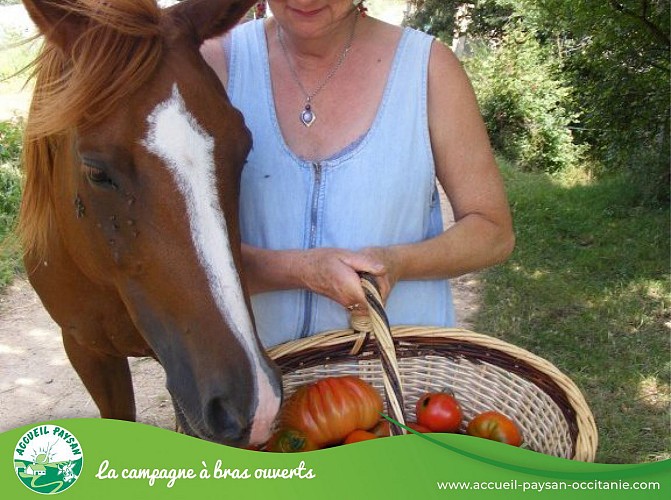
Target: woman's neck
(317,51)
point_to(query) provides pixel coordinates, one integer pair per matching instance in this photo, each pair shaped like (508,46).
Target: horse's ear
(211,18)
(56,20)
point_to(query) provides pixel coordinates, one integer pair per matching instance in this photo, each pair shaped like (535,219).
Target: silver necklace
(307,115)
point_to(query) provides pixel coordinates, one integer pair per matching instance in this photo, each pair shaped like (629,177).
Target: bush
(524,102)
(10,198)
(11,132)
(616,55)
(10,173)
(440,18)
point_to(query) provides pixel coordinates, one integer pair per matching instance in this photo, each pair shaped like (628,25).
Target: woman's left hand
(387,278)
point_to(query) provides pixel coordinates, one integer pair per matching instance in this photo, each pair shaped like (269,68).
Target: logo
(48,459)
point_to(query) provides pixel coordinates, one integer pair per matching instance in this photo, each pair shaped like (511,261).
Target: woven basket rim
(323,347)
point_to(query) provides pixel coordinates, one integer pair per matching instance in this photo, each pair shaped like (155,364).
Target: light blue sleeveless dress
(379,191)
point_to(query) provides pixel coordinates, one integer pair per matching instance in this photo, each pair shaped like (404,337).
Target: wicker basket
(484,373)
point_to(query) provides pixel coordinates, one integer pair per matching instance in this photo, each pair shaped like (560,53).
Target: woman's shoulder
(386,34)
(445,67)
(416,43)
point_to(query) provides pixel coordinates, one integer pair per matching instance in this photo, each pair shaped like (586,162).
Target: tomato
(439,412)
(417,427)
(381,429)
(290,441)
(359,435)
(495,426)
(327,410)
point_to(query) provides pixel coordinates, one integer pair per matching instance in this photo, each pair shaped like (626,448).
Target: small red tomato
(359,435)
(417,427)
(439,412)
(495,426)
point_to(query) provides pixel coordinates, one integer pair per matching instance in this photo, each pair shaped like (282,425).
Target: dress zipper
(312,242)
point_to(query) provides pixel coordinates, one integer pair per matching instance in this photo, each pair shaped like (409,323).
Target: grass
(16,53)
(588,289)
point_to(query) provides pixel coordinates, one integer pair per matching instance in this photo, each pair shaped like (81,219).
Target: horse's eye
(98,176)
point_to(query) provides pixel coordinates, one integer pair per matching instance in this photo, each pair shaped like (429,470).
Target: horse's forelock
(128,17)
(117,51)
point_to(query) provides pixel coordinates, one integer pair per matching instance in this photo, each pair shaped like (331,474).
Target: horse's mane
(117,51)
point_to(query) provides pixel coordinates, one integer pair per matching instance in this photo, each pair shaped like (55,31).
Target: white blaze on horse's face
(188,152)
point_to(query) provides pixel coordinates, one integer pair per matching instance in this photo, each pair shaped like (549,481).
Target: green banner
(101,459)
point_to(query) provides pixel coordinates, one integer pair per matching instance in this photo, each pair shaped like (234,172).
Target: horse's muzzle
(223,420)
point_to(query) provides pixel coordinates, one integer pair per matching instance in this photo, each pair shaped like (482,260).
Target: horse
(129,217)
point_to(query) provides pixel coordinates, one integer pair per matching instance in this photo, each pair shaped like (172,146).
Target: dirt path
(37,382)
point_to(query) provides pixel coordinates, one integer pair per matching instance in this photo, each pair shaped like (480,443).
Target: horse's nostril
(223,419)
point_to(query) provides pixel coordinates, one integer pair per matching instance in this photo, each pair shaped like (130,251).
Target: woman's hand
(390,271)
(331,272)
(334,272)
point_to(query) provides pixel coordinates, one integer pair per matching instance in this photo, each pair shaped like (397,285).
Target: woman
(352,121)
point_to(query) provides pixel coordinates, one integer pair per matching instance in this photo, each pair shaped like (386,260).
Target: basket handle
(378,323)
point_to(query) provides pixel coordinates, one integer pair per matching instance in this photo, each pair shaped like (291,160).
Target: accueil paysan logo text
(48,459)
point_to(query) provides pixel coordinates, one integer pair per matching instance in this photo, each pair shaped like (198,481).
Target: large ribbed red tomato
(327,410)
(439,412)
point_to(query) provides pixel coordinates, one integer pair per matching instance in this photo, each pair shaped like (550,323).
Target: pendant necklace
(307,115)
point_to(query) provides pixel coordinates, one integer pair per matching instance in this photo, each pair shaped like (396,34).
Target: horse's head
(147,197)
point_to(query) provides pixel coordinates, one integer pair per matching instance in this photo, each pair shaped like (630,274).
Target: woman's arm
(482,235)
(328,271)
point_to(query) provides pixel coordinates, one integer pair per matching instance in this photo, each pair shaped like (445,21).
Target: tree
(441,17)
(615,56)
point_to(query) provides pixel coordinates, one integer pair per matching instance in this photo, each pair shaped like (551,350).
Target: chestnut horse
(129,219)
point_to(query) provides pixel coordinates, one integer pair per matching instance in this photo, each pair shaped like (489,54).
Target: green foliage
(613,56)
(11,132)
(616,54)
(587,288)
(523,98)
(523,95)
(10,196)
(435,17)
(439,17)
